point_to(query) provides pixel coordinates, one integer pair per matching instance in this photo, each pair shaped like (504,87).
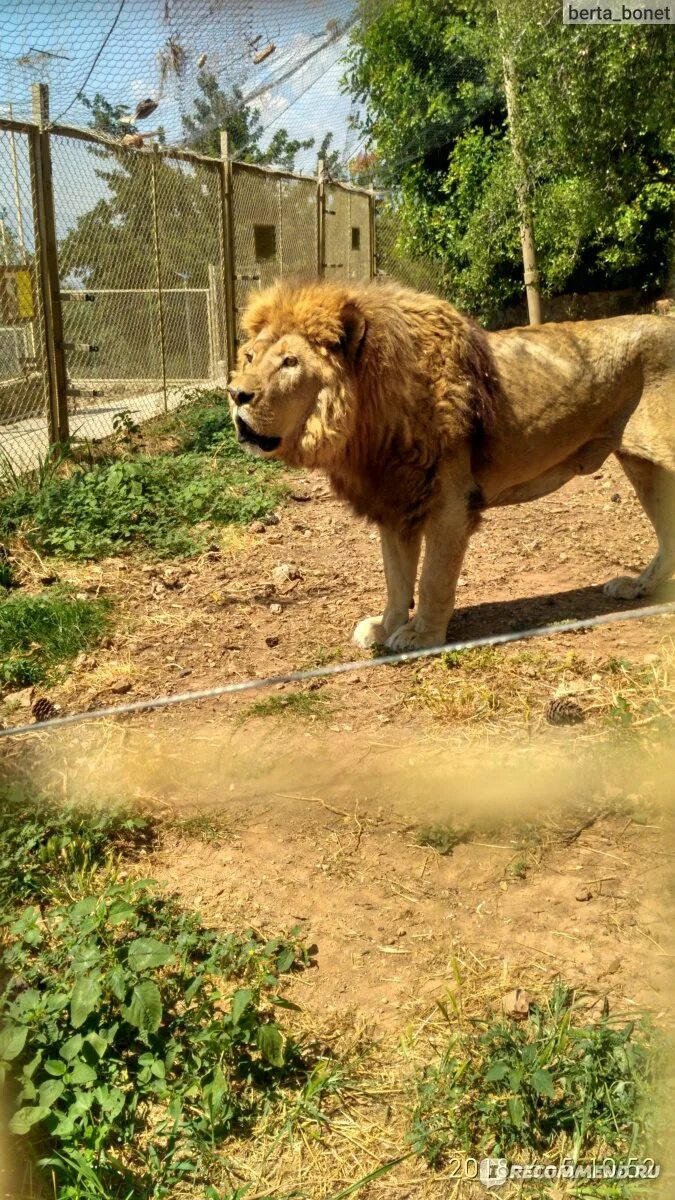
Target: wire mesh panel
(298,236)
(105,220)
(393,261)
(189,235)
(256,226)
(24,389)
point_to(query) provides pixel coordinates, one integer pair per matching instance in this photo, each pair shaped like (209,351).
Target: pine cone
(562,710)
(43,709)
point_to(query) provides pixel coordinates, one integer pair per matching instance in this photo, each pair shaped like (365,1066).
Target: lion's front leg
(400,557)
(446,537)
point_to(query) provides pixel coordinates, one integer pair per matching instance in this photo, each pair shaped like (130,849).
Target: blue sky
(61,43)
(308,104)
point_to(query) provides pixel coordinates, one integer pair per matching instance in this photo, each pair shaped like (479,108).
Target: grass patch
(133,1039)
(553,1084)
(293,704)
(123,498)
(495,685)
(38,633)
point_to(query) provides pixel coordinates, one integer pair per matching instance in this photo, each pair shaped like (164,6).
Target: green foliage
(49,848)
(134,1038)
(596,131)
(37,633)
(442,837)
(515,1087)
(165,503)
(293,704)
(214,110)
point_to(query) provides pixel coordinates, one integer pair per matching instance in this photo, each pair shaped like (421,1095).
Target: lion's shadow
(529,612)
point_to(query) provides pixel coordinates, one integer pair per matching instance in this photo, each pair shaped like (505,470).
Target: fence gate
(24,386)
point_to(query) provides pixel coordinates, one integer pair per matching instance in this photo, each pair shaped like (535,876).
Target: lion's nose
(240,396)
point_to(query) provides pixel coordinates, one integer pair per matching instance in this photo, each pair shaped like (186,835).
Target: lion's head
(292,391)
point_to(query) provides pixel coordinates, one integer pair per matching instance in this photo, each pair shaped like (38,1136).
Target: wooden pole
(530,269)
(48,273)
(228,254)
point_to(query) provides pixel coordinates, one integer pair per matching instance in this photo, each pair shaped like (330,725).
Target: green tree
(595,116)
(214,111)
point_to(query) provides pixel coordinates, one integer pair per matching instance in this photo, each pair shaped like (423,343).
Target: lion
(422,420)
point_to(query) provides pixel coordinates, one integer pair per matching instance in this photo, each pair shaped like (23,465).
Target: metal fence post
(48,264)
(158,268)
(320,218)
(228,250)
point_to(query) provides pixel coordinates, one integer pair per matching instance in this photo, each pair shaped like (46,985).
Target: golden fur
(420,419)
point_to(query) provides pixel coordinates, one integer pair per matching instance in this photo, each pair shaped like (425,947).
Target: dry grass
(497,686)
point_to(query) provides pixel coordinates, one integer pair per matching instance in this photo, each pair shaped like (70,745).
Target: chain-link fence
(125,271)
(24,394)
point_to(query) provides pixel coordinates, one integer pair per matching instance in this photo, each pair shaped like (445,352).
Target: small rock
(516,1004)
(121,687)
(286,573)
(616,498)
(271,642)
(184,672)
(271,520)
(258,527)
(276,609)
(23,698)
(583,893)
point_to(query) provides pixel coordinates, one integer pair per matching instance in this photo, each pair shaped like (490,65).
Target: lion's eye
(249,356)
(290,361)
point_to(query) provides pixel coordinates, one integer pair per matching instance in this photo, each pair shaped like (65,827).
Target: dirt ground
(316,818)
(287,594)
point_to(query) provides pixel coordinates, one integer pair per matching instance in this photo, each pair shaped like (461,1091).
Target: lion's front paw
(411,637)
(369,632)
(625,587)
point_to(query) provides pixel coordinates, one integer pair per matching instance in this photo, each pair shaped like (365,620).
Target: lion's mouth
(248,436)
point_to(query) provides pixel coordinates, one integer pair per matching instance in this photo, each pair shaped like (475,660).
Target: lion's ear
(354,327)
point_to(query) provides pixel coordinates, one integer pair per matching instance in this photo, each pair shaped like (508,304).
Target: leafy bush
(515,1087)
(39,632)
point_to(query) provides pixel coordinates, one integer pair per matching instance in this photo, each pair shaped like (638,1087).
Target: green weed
(293,704)
(53,851)
(549,1082)
(442,837)
(133,1039)
(165,503)
(37,633)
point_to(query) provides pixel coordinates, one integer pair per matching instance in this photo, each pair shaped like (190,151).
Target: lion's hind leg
(655,488)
